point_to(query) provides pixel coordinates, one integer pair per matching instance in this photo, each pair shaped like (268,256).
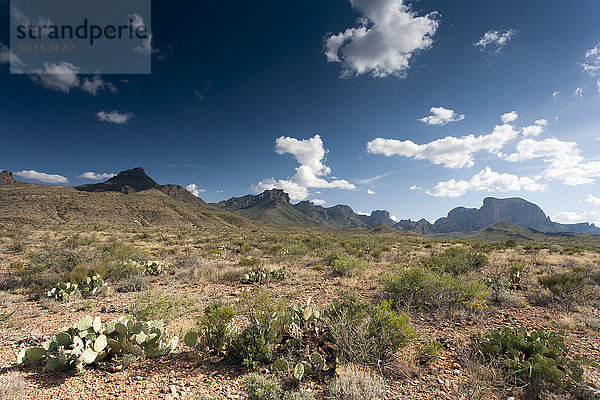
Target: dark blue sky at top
(262,72)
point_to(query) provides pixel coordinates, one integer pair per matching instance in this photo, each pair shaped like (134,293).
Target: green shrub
(155,304)
(266,317)
(428,353)
(249,262)
(347,266)
(533,356)
(456,261)
(569,288)
(258,387)
(366,333)
(423,288)
(217,325)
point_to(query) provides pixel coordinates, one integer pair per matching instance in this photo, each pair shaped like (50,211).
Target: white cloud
(10,58)
(578,92)
(310,154)
(494,41)
(42,176)
(394,218)
(593,200)
(452,152)
(64,77)
(592,61)
(537,129)
(146,47)
(487,180)
(441,116)
(318,202)
(567,217)
(509,117)
(95,176)
(375,178)
(555,94)
(598,84)
(415,187)
(388,35)
(362,213)
(195,190)
(115,117)
(96,84)
(369,191)
(564,158)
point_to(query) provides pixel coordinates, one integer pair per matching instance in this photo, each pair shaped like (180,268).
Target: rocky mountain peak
(6,178)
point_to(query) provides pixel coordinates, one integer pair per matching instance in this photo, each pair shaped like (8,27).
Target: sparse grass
(354,382)
(153,305)
(12,386)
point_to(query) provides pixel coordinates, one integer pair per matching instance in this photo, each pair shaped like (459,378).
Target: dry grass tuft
(355,382)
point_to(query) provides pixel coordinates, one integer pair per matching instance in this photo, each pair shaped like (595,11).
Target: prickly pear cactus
(90,341)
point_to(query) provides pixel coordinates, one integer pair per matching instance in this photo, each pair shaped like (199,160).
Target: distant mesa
(135,180)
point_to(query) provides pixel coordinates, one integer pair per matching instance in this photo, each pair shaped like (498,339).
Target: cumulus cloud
(567,217)
(369,191)
(41,176)
(495,41)
(310,154)
(115,117)
(536,129)
(95,176)
(555,94)
(593,200)
(64,77)
(442,116)
(564,160)
(592,61)
(452,152)
(318,202)
(578,92)
(487,180)
(194,189)
(387,36)
(415,187)
(509,117)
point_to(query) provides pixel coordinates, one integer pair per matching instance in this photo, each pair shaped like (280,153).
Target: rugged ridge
(135,180)
(274,207)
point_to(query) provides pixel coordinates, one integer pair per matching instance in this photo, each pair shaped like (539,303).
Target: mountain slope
(52,205)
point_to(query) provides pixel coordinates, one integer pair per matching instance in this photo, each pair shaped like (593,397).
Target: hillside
(50,205)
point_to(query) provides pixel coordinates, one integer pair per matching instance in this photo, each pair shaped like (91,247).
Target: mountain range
(130,189)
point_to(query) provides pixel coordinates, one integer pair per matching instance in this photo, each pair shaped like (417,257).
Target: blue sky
(239,92)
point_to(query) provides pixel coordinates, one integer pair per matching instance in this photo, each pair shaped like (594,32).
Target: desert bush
(366,333)
(531,357)
(266,318)
(353,382)
(298,396)
(428,352)
(249,262)
(568,288)
(216,328)
(135,283)
(154,304)
(347,266)
(456,261)
(423,288)
(258,387)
